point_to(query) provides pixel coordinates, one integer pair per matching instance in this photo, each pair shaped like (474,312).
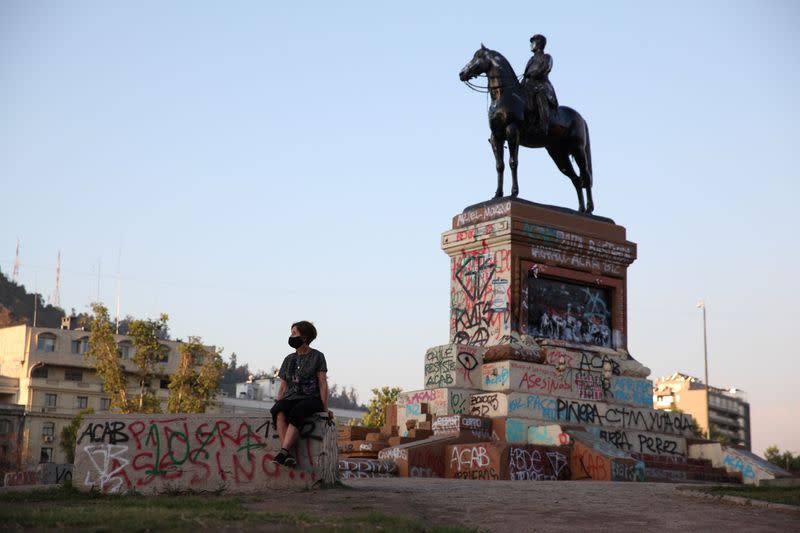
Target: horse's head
(479,64)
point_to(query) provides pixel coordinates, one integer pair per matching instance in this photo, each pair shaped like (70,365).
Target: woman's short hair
(306,330)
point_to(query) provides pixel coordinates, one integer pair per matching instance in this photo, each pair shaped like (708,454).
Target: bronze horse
(509,120)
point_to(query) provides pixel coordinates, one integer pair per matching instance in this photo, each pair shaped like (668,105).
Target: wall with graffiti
(157,453)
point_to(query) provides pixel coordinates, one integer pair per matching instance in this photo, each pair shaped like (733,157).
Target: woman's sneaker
(289,461)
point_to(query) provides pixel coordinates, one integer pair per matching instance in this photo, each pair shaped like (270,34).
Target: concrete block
(518,376)
(453,365)
(511,429)
(478,427)
(592,458)
(632,391)
(156,453)
(441,401)
(550,434)
(592,359)
(500,460)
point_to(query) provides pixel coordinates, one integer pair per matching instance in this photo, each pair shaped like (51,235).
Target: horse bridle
(487,89)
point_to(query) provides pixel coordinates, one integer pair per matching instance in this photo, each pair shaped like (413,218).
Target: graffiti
(14,479)
(439,366)
(569,311)
(110,432)
(634,391)
(374,466)
(478,282)
(589,385)
(623,417)
(109,463)
(483,404)
(452,366)
(736,464)
(597,363)
(641,443)
(458,402)
(484,473)
(352,474)
(496,378)
(55,473)
(546,380)
(575,260)
(627,471)
(193,452)
(531,464)
(586,245)
(419,471)
(469,458)
(481,214)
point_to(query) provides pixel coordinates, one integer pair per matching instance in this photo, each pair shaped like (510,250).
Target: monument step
(593,458)
(504,461)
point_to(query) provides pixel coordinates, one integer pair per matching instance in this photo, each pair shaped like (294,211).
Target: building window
(50,400)
(48,429)
(83,402)
(163,355)
(73,375)
(46,455)
(5,426)
(105,404)
(125,350)
(39,372)
(46,343)
(80,346)
(164,383)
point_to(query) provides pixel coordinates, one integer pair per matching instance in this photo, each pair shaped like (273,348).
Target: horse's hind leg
(497,147)
(561,159)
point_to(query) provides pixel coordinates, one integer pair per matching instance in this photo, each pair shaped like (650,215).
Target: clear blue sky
(255,165)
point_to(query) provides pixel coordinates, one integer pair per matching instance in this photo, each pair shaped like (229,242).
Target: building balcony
(9,385)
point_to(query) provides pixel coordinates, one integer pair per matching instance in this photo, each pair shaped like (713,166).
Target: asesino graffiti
(193,452)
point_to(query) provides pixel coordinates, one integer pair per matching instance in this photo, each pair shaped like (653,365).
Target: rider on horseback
(542,99)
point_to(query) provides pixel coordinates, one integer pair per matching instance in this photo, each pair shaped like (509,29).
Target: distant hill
(16,307)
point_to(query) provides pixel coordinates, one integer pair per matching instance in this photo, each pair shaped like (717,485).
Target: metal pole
(705,360)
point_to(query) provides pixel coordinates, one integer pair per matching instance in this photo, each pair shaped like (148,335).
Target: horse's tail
(588,155)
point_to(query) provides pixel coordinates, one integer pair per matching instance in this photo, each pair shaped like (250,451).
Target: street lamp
(702,305)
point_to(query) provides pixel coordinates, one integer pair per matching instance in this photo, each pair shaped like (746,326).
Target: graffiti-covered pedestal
(519,268)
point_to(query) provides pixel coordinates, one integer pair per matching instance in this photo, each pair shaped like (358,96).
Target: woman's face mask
(296,341)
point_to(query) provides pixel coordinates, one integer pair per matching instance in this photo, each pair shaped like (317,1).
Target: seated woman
(303,390)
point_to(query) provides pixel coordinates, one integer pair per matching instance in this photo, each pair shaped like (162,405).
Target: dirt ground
(506,506)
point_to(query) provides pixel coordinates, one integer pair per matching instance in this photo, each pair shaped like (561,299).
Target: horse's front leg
(497,147)
(512,134)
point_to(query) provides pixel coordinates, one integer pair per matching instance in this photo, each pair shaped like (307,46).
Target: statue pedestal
(523,269)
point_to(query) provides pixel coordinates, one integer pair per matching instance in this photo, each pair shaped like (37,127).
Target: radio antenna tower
(56,298)
(15,275)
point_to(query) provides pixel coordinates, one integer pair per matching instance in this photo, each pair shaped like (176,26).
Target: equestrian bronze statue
(528,114)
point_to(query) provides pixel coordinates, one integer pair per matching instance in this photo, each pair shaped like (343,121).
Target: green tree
(104,355)
(194,386)
(786,460)
(69,435)
(380,402)
(149,352)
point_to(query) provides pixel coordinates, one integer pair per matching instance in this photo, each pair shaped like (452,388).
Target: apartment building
(44,373)
(727,410)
